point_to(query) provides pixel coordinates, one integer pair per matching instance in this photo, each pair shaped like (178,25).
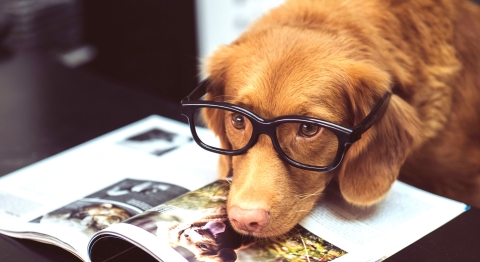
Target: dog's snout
(250,220)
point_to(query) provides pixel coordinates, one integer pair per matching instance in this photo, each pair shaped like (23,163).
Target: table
(46,108)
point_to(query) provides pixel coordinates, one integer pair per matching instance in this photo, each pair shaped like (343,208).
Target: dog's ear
(227,255)
(214,120)
(373,163)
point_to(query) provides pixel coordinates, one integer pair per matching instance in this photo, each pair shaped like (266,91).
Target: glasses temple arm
(198,92)
(375,115)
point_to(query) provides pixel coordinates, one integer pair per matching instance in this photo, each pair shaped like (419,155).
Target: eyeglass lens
(303,142)
(307,143)
(238,128)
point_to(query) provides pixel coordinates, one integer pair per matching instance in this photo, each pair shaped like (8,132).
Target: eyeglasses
(304,142)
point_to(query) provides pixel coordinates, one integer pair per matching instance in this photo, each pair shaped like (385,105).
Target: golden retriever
(334,60)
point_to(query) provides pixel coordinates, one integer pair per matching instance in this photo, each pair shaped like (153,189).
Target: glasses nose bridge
(264,129)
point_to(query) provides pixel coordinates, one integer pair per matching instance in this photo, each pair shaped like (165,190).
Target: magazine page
(195,225)
(377,232)
(66,198)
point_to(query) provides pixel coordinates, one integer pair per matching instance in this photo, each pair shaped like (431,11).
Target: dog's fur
(334,60)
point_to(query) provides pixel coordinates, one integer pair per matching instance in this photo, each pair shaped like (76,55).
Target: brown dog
(334,60)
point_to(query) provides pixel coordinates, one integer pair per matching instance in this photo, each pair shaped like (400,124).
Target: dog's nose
(250,220)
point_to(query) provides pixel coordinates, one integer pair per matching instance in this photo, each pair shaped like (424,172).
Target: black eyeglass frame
(346,136)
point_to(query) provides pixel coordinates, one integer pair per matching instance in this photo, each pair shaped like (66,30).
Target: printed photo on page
(111,205)
(197,227)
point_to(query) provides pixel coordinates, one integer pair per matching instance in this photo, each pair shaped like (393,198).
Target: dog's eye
(203,246)
(238,121)
(309,130)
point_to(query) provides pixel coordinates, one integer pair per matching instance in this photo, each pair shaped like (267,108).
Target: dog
(335,60)
(88,219)
(209,237)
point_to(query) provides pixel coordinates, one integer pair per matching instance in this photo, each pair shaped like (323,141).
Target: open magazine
(149,187)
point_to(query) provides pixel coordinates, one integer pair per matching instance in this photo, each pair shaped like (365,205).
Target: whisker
(219,77)
(223,96)
(305,196)
(303,210)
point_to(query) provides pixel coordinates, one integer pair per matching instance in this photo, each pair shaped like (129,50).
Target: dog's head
(213,241)
(100,216)
(290,70)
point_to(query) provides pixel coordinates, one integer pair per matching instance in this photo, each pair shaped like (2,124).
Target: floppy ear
(227,255)
(215,121)
(373,163)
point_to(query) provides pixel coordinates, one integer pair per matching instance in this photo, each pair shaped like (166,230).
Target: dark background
(147,44)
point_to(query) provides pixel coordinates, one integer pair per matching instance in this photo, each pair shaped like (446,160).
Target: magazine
(149,186)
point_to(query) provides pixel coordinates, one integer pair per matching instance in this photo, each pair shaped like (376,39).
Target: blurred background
(151,45)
